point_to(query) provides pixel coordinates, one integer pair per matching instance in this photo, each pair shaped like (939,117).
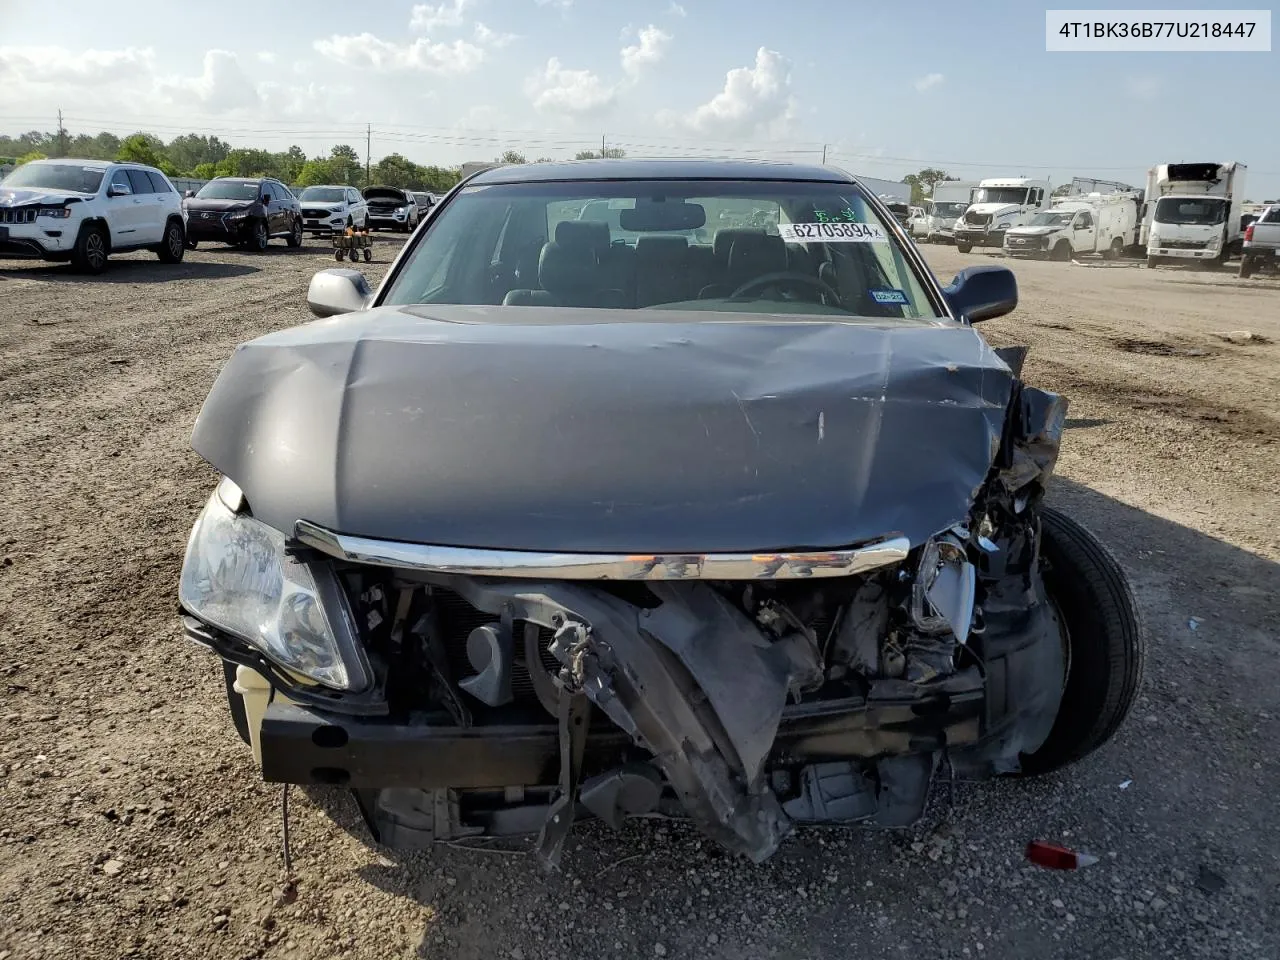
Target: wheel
(295,235)
(174,243)
(963,247)
(1153,262)
(90,252)
(337,254)
(368,255)
(1114,251)
(354,254)
(1104,638)
(1061,252)
(259,239)
(1246,267)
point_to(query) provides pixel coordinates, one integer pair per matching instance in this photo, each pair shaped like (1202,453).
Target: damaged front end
(513,693)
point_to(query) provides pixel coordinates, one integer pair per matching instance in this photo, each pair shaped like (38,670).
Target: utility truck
(1103,223)
(1193,212)
(998,205)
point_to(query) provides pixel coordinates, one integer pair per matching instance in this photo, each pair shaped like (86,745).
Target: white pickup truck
(1261,248)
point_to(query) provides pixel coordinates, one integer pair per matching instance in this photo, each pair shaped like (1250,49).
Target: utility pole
(62,136)
(824,154)
(602,153)
(368,148)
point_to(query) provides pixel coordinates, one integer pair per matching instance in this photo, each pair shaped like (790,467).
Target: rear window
(769,247)
(1271,215)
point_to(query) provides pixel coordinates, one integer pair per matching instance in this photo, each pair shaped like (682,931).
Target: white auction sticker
(832,232)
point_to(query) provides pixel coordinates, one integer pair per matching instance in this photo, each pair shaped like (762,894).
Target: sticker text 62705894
(832,232)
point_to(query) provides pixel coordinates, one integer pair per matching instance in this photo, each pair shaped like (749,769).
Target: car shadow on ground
(134,271)
(477,893)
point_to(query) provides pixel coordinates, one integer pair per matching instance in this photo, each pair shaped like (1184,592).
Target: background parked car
(84,210)
(332,207)
(244,211)
(391,208)
(425,201)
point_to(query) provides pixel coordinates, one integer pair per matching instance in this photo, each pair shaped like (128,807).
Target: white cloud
(929,80)
(676,10)
(366,50)
(222,85)
(492,38)
(650,48)
(426,17)
(1143,88)
(576,92)
(55,66)
(754,99)
(266,56)
(558,4)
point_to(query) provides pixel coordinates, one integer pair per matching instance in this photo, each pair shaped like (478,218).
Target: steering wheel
(785,278)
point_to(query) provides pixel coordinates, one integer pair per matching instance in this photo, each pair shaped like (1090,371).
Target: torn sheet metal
(636,432)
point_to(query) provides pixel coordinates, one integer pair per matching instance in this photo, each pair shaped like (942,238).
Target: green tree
(317,171)
(205,171)
(346,164)
(512,156)
(291,163)
(394,170)
(192,149)
(28,157)
(244,162)
(141,148)
(922,183)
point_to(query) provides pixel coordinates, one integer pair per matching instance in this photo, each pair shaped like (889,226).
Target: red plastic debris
(1058,858)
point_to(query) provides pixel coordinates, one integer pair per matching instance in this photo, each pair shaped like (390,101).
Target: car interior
(627,258)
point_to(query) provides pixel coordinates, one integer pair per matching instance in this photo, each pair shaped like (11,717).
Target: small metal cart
(353,244)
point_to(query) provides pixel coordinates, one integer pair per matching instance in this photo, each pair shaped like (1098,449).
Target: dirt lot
(133,823)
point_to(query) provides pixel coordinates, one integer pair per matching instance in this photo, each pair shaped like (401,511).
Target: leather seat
(751,255)
(662,271)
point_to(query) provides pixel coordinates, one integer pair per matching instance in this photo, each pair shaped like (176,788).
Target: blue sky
(889,87)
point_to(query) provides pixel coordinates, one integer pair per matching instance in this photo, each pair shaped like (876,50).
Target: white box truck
(1193,212)
(945,206)
(998,204)
(1103,223)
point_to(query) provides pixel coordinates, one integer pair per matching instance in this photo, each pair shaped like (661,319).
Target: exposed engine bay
(515,706)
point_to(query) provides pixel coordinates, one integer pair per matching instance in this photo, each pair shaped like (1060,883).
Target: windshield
(949,208)
(55,176)
(1055,218)
(229,190)
(1202,211)
(324,195)
(1016,195)
(755,247)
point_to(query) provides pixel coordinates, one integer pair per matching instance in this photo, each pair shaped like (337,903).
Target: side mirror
(188,194)
(338,291)
(981,293)
(118,190)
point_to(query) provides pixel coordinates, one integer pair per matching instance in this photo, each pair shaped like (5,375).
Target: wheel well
(98,222)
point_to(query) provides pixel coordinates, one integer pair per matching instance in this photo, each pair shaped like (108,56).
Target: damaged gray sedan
(650,488)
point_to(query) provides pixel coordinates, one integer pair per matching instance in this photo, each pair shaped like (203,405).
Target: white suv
(333,208)
(84,210)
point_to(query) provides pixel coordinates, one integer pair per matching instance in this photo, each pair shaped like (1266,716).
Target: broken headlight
(238,577)
(942,597)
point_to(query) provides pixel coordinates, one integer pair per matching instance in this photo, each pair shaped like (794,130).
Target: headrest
(723,242)
(567,269)
(590,235)
(755,254)
(664,249)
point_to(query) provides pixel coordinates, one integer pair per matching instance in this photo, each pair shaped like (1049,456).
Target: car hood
(546,429)
(1040,230)
(194,203)
(385,195)
(43,196)
(995,209)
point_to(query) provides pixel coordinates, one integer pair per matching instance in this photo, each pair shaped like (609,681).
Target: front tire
(174,243)
(1107,648)
(1115,251)
(963,247)
(295,235)
(1246,267)
(1061,252)
(259,238)
(1153,262)
(90,252)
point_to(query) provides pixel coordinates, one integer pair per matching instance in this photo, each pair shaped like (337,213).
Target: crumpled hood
(546,429)
(42,196)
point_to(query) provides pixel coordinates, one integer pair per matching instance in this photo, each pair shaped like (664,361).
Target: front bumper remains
(979,237)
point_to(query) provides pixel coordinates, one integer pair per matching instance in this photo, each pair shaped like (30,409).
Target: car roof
(76,161)
(627,169)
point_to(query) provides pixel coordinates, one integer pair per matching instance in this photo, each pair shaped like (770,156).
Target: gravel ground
(134,823)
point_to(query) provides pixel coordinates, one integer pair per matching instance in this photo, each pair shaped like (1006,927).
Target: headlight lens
(58,213)
(237,577)
(237,214)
